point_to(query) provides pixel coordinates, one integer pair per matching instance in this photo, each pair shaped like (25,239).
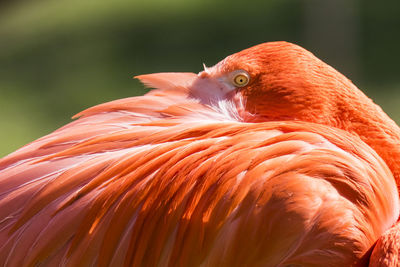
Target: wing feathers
(122,187)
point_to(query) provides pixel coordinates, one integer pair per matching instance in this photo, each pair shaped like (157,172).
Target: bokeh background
(60,57)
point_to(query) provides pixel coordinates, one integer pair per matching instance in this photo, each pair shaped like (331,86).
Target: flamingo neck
(375,128)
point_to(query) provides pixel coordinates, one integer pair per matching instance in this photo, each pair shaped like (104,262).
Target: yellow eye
(241,79)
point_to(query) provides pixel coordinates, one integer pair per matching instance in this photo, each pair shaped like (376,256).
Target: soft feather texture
(173,179)
(387,249)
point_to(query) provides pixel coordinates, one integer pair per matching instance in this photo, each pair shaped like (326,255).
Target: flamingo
(269,158)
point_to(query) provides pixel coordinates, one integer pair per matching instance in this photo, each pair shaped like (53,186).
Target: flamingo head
(282,81)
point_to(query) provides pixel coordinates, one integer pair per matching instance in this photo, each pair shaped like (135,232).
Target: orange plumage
(295,166)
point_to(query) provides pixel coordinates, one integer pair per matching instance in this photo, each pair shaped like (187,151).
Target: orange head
(286,82)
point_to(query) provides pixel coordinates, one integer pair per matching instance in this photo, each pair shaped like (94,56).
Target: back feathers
(168,180)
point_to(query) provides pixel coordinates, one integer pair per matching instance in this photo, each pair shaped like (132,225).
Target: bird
(269,158)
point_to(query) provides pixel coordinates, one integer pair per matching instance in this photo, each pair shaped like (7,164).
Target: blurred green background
(60,57)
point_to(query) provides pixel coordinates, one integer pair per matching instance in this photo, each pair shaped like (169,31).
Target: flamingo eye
(241,78)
